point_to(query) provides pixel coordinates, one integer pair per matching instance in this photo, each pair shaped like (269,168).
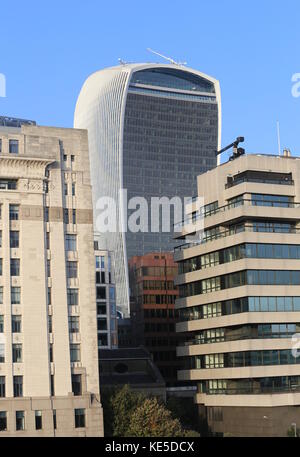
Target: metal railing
(287,182)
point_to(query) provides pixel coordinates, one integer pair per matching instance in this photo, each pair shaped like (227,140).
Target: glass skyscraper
(153,128)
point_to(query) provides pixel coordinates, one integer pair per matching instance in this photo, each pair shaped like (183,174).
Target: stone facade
(49,288)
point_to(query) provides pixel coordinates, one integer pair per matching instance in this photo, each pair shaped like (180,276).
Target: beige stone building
(239,288)
(49,382)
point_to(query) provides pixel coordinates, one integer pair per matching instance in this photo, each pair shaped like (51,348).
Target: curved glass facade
(152,131)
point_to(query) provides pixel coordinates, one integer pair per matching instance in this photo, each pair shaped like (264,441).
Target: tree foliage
(129,413)
(153,419)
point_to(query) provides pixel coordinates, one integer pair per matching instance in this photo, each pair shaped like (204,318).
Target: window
(70,242)
(0,238)
(75,352)
(2,353)
(48,268)
(15,295)
(13,146)
(72,297)
(72,158)
(100,261)
(49,296)
(74,216)
(15,267)
(73,324)
(1,267)
(65,157)
(2,386)
(20,420)
(13,212)
(1,295)
(101,323)
(100,277)
(79,418)
(0,144)
(73,189)
(101,293)
(51,352)
(50,324)
(3,421)
(112,295)
(101,309)
(38,420)
(18,386)
(54,419)
(14,239)
(76,384)
(1,323)
(66,216)
(52,386)
(47,240)
(16,323)
(46,214)
(66,189)
(17,353)
(71,269)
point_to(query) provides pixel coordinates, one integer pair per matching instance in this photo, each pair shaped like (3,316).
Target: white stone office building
(49,382)
(239,290)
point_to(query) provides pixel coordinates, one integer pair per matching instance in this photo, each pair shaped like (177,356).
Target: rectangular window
(49,296)
(1,323)
(52,385)
(72,297)
(15,267)
(51,353)
(0,238)
(101,323)
(48,268)
(70,242)
(75,352)
(79,418)
(101,293)
(73,189)
(16,323)
(50,324)
(15,295)
(2,352)
(73,324)
(100,261)
(1,295)
(1,267)
(66,189)
(2,386)
(18,386)
(76,384)
(47,240)
(66,216)
(13,146)
(3,421)
(74,216)
(38,420)
(54,419)
(20,420)
(13,212)
(17,353)
(14,239)
(71,269)
(46,214)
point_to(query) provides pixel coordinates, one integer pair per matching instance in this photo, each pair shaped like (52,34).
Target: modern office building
(239,296)
(152,310)
(49,381)
(152,129)
(106,300)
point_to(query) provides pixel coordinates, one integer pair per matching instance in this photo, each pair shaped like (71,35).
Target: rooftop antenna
(237,152)
(278,138)
(166,58)
(122,62)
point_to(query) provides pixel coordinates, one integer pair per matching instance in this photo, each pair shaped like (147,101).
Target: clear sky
(48,48)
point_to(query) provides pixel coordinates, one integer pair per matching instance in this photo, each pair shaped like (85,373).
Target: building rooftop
(6,121)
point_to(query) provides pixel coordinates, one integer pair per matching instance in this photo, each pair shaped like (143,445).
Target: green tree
(123,403)
(152,418)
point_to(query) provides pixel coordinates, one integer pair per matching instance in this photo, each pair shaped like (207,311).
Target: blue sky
(49,48)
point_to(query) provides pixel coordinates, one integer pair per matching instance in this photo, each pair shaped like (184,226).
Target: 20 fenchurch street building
(153,128)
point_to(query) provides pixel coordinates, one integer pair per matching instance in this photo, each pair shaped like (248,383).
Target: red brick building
(153,313)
